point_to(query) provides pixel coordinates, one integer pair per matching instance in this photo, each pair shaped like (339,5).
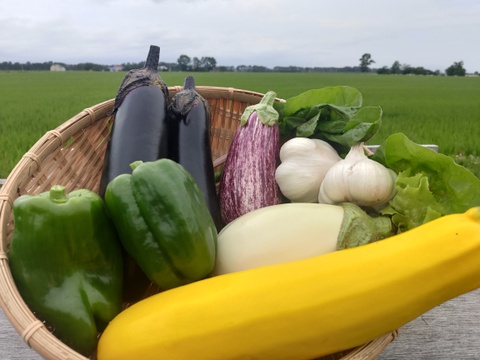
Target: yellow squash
(307,308)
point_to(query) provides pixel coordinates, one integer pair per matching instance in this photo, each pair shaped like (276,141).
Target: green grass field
(429,110)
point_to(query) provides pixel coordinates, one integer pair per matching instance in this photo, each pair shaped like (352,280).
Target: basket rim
(33,332)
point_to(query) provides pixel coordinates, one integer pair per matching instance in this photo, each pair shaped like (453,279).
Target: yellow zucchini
(307,308)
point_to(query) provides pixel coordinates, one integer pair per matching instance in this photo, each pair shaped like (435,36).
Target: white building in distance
(57,67)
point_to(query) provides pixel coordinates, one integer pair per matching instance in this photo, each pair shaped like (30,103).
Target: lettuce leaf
(414,203)
(429,184)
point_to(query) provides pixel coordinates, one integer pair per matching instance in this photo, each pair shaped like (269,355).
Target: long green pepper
(66,261)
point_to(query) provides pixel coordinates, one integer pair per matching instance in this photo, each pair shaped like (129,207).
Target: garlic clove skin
(359,180)
(304,163)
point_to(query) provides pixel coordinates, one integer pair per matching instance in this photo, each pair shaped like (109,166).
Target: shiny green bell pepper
(67,263)
(163,222)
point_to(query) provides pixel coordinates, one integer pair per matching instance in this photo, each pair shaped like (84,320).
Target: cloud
(429,33)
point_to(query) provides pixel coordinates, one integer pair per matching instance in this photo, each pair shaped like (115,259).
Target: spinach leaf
(343,96)
(334,114)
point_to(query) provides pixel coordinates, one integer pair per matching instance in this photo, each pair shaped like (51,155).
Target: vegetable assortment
(307,308)
(301,213)
(426,184)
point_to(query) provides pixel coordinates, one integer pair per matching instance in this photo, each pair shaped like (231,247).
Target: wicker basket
(72,155)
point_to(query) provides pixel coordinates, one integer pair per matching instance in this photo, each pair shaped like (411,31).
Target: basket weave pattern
(72,155)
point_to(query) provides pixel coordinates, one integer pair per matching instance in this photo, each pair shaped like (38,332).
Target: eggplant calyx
(264,109)
(146,76)
(359,228)
(186,99)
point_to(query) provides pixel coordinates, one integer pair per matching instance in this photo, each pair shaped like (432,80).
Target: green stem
(57,194)
(136,164)
(264,109)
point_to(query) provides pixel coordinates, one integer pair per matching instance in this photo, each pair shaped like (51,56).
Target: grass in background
(429,110)
(34,102)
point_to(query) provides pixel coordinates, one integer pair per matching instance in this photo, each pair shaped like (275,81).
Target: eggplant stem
(152,58)
(189,83)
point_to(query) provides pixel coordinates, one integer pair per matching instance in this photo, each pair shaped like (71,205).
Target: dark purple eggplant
(139,130)
(248,179)
(189,143)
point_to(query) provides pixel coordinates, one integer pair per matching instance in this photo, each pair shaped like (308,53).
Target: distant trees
(183,62)
(252,68)
(406,69)
(456,69)
(365,61)
(8,65)
(396,68)
(206,63)
(88,66)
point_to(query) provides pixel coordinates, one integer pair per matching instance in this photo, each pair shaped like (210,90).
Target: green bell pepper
(67,263)
(163,222)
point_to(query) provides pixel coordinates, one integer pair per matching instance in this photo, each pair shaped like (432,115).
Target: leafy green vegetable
(362,126)
(414,203)
(334,114)
(343,96)
(429,184)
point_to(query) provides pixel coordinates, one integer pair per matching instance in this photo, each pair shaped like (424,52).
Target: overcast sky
(429,33)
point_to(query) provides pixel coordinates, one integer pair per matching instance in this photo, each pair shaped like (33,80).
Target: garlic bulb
(359,180)
(304,163)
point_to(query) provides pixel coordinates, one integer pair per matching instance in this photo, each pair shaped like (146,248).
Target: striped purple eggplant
(248,179)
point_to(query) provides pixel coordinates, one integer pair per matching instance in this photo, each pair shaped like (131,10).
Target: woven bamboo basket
(72,155)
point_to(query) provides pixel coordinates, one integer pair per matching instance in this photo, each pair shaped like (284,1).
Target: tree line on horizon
(207,64)
(456,69)
(166,66)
